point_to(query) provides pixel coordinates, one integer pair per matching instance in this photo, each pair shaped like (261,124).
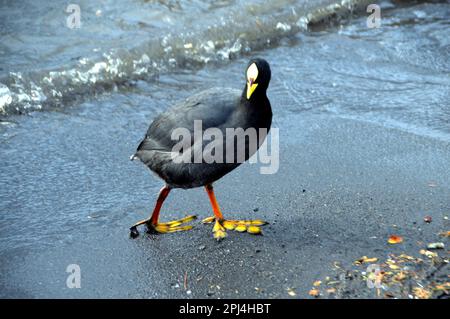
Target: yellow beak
(250,88)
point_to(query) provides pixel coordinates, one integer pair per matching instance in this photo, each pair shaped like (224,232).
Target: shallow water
(45,63)
(68,170)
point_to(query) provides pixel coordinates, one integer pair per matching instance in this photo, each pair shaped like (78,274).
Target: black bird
(174,159)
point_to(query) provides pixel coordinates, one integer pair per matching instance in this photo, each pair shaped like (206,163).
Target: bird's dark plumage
(220,108)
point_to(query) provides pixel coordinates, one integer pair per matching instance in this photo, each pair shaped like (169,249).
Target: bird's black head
(258,76)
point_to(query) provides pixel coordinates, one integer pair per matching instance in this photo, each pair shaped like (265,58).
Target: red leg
(153,223)
(221,225)
(214,204)
(159,202)
(218,229)
(155,215)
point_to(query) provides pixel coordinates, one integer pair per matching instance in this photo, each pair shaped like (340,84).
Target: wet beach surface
(363,119)
(354,195)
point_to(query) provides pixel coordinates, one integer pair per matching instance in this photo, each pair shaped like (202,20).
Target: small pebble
(436,246)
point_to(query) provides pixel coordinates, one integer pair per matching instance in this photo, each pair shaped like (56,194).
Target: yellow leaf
(317,283)
(445,233)
(394,267)
(314,292)
(428,253)
(365,259)
(444,286)
(400,276)
(331,290)
(421,293)
(394,239)
(403,256)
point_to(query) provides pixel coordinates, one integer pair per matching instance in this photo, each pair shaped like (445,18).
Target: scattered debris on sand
(424,276)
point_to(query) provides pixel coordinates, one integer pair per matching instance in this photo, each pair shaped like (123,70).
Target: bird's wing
(214,107)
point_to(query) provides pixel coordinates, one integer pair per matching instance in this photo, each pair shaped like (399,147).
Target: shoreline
(84,77)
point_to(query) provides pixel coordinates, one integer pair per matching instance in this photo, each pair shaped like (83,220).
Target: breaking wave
(179,35)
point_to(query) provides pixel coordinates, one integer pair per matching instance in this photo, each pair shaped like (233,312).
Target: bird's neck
(256,99)
(258,107)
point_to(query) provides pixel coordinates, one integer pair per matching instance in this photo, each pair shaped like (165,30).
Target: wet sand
(343,187)
(364,138)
